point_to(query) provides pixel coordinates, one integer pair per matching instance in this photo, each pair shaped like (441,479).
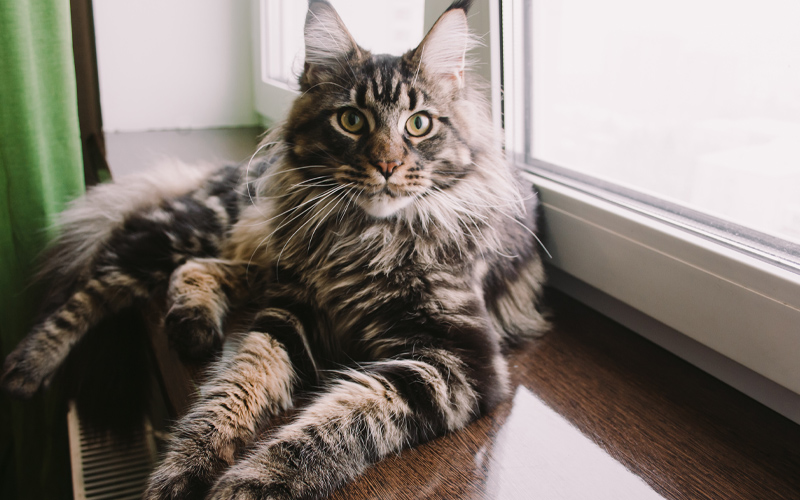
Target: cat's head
(381,130)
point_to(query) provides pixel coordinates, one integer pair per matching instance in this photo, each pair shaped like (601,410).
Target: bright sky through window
(695,101)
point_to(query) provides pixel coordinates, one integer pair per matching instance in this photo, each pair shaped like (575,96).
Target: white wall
(174,64)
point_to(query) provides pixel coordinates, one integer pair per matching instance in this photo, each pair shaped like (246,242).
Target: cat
(388,248)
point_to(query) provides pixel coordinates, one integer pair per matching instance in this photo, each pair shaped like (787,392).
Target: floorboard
(599,412)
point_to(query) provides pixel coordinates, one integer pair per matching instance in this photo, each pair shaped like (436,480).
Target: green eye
(419,124)
(352,120)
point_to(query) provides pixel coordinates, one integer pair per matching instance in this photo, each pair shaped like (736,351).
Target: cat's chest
(358,288)
(353,307)
(362,283)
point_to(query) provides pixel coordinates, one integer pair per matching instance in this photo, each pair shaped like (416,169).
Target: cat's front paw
(193,332)
(247,485)
(175,487)
(181,478)
(196,456)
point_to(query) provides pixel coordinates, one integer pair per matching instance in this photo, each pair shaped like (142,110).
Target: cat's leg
(37,357)
(199,296)
(366,415)
(253,381)
(136,259)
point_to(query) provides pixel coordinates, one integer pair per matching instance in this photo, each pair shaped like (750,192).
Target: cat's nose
(387,167)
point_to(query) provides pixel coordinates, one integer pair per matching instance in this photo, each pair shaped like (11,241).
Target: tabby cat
(388,245)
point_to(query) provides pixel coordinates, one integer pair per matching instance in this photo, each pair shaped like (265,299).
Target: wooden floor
(598,412)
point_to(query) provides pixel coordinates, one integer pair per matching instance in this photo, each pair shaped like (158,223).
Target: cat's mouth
(378,196)
(393,191)
(384,203)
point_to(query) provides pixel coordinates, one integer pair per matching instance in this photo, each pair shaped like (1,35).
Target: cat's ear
(443,51)
(328,43)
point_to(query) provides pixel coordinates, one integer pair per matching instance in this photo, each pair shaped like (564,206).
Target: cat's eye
(419,124)
(352,120)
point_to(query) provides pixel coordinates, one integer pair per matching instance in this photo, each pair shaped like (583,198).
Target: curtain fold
(40,170)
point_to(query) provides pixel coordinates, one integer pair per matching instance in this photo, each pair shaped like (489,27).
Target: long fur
(383,248)
(89,221)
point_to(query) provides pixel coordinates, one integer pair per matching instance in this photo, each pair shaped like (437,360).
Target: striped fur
(361,417)
(136,245)
(384,247)
(251,382)
(198,299)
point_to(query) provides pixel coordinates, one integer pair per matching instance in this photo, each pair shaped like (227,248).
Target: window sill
(740,307)
(133,152)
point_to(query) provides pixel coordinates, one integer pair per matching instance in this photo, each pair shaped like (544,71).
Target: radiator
(105,468)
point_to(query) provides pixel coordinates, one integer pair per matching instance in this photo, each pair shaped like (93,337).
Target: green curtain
(40,170)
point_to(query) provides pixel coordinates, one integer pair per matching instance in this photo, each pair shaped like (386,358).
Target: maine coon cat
(389,249)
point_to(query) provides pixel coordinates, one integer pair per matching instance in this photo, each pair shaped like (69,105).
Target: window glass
(694,101)
(381,26)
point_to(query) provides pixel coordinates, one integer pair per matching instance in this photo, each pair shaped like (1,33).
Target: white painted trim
(756,386)
(272,99)
(739,306)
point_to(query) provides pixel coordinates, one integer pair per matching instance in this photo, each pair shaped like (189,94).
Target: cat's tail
(80,291)
(88,223)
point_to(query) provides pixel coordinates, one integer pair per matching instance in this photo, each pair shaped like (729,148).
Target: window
(665,143)
(694,102)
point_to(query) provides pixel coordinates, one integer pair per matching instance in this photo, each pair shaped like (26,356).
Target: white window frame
(733,315)
(271,98)
(610,253)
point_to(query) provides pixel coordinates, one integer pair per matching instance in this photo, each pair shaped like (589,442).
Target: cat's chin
(383,206)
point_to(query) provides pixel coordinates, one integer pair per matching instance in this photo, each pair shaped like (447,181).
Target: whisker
(330,193)
(293,208)
(419,65)
(317,198)
(285,222)
(347,206)
(323,83)
(338,197)
(247,171)
(278,171)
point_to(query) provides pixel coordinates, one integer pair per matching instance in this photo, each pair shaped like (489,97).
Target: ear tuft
(461,4)
(326,38)
(443,51)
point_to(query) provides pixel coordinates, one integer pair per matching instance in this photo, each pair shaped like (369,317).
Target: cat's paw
(175,486)
(240,485)
(192,332)
(23,374)
(184,475)
(197,453)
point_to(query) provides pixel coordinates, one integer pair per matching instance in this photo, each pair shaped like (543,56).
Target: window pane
(381,26)
(694,101)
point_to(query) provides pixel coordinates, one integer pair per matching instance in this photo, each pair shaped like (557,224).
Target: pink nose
(387,167)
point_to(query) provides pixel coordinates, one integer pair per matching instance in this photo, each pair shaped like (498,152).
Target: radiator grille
(104,468)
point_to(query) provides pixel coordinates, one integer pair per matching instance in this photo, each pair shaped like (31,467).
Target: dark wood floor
(598,412)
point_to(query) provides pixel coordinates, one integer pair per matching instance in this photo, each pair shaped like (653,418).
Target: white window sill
(132,152)
(740,307)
